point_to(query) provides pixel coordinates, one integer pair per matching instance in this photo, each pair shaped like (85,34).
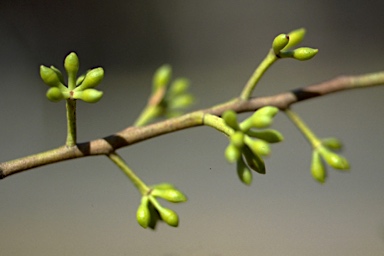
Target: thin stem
(217,123)
(71,122)
(307,132)
(139,184)
(260,70)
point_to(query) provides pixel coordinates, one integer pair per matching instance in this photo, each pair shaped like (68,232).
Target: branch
(132,135)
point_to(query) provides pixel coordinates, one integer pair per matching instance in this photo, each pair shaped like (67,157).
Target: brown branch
(133,135)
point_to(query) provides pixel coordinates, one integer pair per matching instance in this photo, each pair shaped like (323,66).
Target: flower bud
(279,43)
(88,95)
(179,86)
(91,79)
(162,77)
(163,186)
(168,216)
(232,153)
(317,167)
(71,64)
(254,161)
(268,135)
(332,143)
(295,37)
(334,160)
(54,94)
(58,72)
(263,117)
(49,76)
(304,53)
(172,195)
(181,101)
(237,139)
(243,172)
(259,147)
(230,119)
(143,215)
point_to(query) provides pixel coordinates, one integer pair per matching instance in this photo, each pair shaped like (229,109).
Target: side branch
(133,135)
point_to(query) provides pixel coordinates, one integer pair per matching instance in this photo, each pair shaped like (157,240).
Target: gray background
(87,206)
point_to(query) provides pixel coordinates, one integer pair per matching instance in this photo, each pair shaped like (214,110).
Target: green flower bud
(162,77)
(279,43)
(59,74)
(304,53)
(92,79)
(237,139)
(143,215)
(163,186)
(168,216)
(172,195)
(155,216)
(71,64)
(179,86)
(49,76)
(254,161)
(295,37)
(332,143)
(232,153)
(181,101)
(317,167)
(269,135)
(334,160)
(230,119)
(262,118)
(258,147)
(79,80)
(243,172)
(54,94)
(88,95)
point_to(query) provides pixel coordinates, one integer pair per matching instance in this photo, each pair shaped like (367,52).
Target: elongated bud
(168,216)
(295,37)
(254,161)
(303,53)
(164,185)
(59,74)
(172,195)
(91,79)
(332,143)
(334,160)
(232,153)
(181,101)
(269,135)
(243,172)
(279,43)
(71,64)
(88,95)
(262,118)
(49,76)
(259,147)
(237,139)
(317,167)
(179,86)
(143,215)
(54,94)
(162,77)
(230,119)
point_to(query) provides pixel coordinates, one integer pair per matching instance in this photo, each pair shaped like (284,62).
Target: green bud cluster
(247,145)
(174,94)
(150,211)
(324,154)
(77,88)
(282,43)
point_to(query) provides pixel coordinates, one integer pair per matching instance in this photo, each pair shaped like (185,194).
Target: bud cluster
(324,153)
(150,211)
(248,144)
(81,88)
(282,43)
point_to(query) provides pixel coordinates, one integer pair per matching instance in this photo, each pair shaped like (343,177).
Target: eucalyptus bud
(162,77)
(88,95)
(143,215)
(332,143)
(71,64)
(168,216)
(179,86)
(262,118)
(181,101)
(279,43)
(334,160)
(304,53)
(49,76)
(243,172)
(54,94)
(163,186)
(232,153)
(269,135)
(230,119)
(317,167)
(172,195)
(59,74)
(259,147)
(254,161)
(91,79)
(295,37)
(237,139)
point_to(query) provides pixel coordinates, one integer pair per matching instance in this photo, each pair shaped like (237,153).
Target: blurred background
(87,206)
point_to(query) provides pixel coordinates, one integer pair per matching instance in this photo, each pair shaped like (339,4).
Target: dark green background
(87,206)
